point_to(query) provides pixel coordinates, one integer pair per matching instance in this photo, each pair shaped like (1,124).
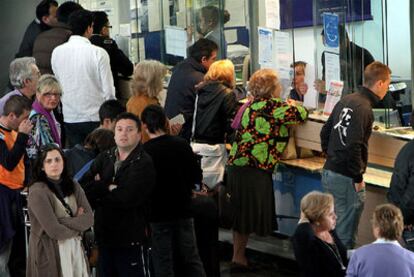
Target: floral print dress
(264,133)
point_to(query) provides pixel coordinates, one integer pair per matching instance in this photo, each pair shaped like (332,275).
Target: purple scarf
(237,119)
(50,119)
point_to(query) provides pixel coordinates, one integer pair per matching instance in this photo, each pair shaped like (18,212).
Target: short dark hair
(100,140)
(130,116)
(99,20)
(202,48)
(42,9)
(154,117)
(79,21)
(39,175)
(66,9)
(17,104)
(110,109)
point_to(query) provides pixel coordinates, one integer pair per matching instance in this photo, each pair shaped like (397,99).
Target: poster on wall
(272,14)
(283,54)
(333,95)
(265,47)
(176,41)
(332,67)
(330,28)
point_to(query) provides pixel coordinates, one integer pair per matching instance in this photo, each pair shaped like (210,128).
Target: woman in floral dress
(259,144)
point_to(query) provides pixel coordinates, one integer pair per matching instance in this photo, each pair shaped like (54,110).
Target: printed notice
(282,54)
(333,95)
(272,14)
(176,41)
(265,47)
(332,68)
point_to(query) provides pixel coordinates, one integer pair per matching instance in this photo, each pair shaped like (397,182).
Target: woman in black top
(317,248)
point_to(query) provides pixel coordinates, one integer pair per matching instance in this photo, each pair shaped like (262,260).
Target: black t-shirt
(177,171)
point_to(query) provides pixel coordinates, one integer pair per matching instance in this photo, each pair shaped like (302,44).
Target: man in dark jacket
(186,75)
(45,18)
(120,64)
(118,186)
(50,39)
(401,192)
(353,60)
(344,139)
(170,216)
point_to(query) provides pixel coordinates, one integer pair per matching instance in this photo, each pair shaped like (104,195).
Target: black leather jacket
(120,214)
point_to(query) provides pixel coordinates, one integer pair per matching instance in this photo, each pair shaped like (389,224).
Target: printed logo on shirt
(345,118)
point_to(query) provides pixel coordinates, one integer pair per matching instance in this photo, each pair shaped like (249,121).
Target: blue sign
(299,13)
(330,27)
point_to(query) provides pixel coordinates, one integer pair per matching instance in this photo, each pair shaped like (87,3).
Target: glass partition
(331,42)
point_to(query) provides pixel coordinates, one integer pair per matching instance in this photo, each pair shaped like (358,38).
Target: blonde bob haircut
(389,221)
(148,78)
(48,82)
(265,83)
(315,205)
(222,71)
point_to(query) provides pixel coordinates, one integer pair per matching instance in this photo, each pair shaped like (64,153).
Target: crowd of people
(142,178)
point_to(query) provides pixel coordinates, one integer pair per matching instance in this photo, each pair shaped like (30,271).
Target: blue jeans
(174,250)
(348,205)
(121,261)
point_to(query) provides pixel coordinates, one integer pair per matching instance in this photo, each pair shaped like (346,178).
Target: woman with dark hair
(59,212)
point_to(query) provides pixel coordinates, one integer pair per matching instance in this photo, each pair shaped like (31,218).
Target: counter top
(372,176)
(404,133)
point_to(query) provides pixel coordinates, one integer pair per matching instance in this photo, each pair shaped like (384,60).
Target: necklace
(334,249)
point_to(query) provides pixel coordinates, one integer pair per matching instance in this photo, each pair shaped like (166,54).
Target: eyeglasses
(108,26)
(51,94)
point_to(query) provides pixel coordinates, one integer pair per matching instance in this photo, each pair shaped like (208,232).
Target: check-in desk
(295,178)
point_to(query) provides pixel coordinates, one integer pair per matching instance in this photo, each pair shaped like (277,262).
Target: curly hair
(265,83)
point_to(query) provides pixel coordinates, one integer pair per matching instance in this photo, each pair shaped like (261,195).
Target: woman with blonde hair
(46,129)
(146,86)
(317,248)
(214,110)
(260,141)
(384,257)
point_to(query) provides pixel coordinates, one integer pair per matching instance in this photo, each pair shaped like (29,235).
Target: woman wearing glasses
(46,129)
(59,212)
